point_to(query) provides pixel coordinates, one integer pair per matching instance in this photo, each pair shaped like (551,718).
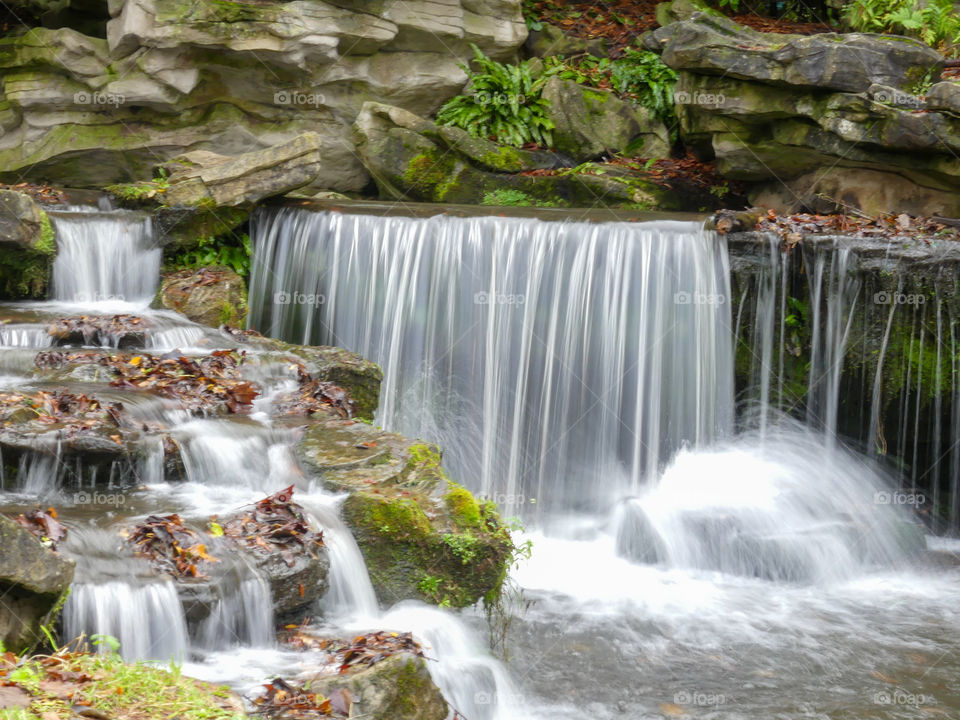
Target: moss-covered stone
(27,247)
(211,296)
(422,535)
(34,582)
(397,688)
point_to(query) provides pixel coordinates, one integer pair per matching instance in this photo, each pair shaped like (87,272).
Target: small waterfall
(243,616)
(105,257)
(779,507)
(147,619)
(25,336)
(538,355)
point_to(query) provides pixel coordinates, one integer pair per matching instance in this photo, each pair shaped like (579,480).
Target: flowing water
(582,376)
(679,569)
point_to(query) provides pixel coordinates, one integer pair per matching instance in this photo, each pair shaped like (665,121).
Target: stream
(684,563)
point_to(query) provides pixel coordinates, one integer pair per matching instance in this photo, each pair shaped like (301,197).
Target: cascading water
(536,354)
(105,257)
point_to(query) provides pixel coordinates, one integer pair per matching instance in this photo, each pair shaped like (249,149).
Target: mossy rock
(34,582)
(27,247)
(396,688)
(209,296)
(423,536)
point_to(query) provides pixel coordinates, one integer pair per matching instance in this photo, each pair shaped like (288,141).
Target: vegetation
(638,75)
(933,21)
(67,682)
(505,104)
(140,193)
(504,197)
(232,251)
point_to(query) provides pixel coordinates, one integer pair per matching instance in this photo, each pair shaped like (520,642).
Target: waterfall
(105,257)
(146,619)
(777,506)
(538,355)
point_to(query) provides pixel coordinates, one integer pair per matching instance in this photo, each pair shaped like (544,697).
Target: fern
(645,76)
(505,103)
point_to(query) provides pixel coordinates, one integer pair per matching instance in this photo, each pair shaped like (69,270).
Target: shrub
(504,104)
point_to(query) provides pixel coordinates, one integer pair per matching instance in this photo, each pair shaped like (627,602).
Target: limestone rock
(945,96)
(27,247)
(396,688)
(211,296)
(551,40)
(591,123)
(207,178)
(710,43)
(230,78)
(34,580)
(422,535)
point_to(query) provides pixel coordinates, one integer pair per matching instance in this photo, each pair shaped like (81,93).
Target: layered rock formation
(170,77)
(824,121)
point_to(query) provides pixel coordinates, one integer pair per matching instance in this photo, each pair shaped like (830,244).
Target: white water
(766,573)
(538,355)
(105,257)
(146,619)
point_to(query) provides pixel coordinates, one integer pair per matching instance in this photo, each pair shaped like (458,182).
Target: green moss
(47,244)
(24,275)
(462,506)
(504,159)
(506,197)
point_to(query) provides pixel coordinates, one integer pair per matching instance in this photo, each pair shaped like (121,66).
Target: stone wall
(172,76)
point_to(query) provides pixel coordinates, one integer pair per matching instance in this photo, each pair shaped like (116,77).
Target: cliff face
(162,77)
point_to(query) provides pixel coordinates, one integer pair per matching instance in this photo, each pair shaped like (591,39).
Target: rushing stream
(581,375)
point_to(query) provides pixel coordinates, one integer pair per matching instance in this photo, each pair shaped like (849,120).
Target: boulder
(823,123)
(34,582)
(945,97)
(422,535)
(550,40)
(27,247)
(711,43)
(395,688)
(209,296)
(203,178)
(591,123)
(414,159)
(172,77)
(360,377)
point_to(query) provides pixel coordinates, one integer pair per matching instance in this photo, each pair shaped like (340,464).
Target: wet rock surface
(34,580)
